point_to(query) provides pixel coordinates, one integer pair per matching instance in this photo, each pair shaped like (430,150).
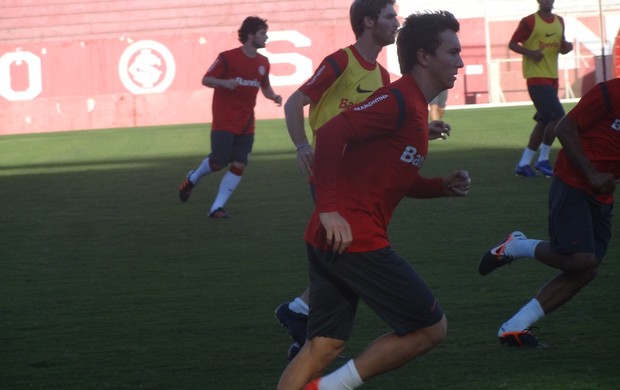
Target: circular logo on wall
(146,67)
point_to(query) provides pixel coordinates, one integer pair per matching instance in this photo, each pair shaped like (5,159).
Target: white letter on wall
(35,85)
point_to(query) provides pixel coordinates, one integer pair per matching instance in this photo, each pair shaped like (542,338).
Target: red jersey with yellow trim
(598,121)
(233,109)
(367,159)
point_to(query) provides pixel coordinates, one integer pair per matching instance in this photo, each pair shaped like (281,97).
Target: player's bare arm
(295,124)
(271,95)
(212,82)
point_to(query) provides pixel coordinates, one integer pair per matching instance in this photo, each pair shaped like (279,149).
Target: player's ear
(423,57)
(369,22)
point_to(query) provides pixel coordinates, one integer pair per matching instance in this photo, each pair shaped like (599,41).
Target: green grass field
(108,281)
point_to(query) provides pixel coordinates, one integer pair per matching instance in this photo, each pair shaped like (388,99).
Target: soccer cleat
(295,323)
(219,213)
(525,171)
(185,189)
(314,385)
(293,350)
(521,339)
(544,167)
(496,256)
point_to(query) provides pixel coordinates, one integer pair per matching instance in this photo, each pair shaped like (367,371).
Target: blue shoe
(525,171)
(295,323)
(293,350)
(544,167)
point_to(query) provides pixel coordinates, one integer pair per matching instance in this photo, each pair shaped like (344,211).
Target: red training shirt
(599,130)
(233,109)
(365,163)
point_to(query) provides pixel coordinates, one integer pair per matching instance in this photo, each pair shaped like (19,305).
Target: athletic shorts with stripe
(386,282)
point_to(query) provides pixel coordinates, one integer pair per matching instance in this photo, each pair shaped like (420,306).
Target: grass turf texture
(108,281)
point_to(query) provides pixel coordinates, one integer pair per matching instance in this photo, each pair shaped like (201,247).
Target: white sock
(526,157)
(544,152)
(528,315)
(518,249)
(202,170)
(299,306)
(344,378)
(229,183)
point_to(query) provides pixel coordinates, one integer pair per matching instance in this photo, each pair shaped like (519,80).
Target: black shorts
(577,222)
(227,147)
(547,103)
(382,279)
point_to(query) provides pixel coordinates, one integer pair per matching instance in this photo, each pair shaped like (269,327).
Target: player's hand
(566,47)
(305,159)
(278,100)
(438,129)
(457,183)
(338,231)
(230,83)
(604,183)
(536,55)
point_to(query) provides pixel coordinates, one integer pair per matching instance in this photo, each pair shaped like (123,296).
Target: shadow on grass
(109,281)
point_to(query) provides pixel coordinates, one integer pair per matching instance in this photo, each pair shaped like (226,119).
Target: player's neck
(249,50)
(368,50)
(545,14)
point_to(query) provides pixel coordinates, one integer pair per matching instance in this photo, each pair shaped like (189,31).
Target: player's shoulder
(340,57)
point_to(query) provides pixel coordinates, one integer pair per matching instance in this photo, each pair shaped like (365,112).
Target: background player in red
(236,76)
(366,160)
(540,39)
(581,199)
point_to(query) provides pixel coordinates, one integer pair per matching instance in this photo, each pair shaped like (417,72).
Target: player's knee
(325,349)
(237,169)
(439,331)
(583,263)
(433,335)
(215,166)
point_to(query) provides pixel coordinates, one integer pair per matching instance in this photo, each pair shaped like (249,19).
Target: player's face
(386,26)
(447,61)
(259,39)
(545,5)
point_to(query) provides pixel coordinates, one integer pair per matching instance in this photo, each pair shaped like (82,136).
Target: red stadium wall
(71,65)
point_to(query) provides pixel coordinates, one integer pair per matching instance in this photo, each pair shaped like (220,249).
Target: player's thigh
(332,304)
(242,147)
(577,223)
(392,288)
(221,147)
(548,105)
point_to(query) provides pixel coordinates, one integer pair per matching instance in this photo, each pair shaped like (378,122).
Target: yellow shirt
(549,37)
(353,86)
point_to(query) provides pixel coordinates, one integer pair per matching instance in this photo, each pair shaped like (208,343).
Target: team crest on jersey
(261,70)
(616,125)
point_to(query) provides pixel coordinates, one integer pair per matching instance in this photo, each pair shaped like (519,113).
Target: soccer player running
(236,76)
(540,39)
(581,199)
(367,159)
(344,78)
